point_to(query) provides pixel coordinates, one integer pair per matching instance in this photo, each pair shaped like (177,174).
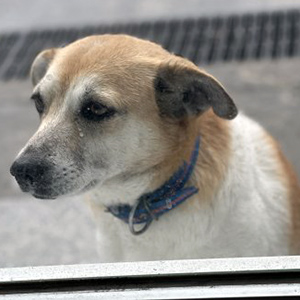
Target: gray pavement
(45,232)
(35,14)
(34,232)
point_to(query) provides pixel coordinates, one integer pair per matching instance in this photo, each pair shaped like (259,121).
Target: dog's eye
(94,111)
(39,103)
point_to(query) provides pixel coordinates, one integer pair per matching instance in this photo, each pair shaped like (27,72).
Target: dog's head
(110,105)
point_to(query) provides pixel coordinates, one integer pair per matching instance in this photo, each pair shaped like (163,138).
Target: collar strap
(152,205)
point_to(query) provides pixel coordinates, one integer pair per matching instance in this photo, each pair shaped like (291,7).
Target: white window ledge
(238,278)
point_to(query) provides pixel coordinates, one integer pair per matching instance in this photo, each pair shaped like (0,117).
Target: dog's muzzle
(33,176)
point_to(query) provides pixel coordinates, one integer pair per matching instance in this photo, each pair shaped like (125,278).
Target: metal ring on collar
(131,218)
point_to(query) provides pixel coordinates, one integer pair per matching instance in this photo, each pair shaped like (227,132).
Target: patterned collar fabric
(152,205)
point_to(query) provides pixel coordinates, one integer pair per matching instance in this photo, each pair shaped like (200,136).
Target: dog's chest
(194,234)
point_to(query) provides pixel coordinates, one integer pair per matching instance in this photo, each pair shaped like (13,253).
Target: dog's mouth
(44,197)
(89,186)
(45,193)
(39,191)
(52,196)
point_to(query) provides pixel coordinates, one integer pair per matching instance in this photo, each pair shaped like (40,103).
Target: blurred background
(252,47)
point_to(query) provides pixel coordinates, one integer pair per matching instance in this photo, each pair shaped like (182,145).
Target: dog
(157,146)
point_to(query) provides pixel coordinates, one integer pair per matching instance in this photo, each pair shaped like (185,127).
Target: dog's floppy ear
(184,91)
(40,65)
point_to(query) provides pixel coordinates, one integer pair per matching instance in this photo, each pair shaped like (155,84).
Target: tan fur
(214,155)
(78,59)
(213,158)
(289,178)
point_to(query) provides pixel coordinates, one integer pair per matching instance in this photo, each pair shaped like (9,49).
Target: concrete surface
(36,14)
(34,232)
(45,232)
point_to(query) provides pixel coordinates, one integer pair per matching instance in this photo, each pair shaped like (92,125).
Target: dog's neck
(210,167)
(152,205)
(127,188)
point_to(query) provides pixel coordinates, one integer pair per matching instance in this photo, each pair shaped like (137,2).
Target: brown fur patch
(213,157)
(106,54)
(290,180)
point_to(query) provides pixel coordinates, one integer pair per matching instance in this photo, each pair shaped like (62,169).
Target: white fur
(248,216)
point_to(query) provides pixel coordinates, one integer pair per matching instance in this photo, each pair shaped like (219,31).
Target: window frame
(257,277)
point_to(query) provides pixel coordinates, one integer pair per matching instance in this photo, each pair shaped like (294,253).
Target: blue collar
(152,205)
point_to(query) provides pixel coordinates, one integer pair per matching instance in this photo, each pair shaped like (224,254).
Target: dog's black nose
(28,172)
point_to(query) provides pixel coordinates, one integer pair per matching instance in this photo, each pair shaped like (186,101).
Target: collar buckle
(149,218)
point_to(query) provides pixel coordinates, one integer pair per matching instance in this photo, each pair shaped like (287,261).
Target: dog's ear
(40,65)
(184,91)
